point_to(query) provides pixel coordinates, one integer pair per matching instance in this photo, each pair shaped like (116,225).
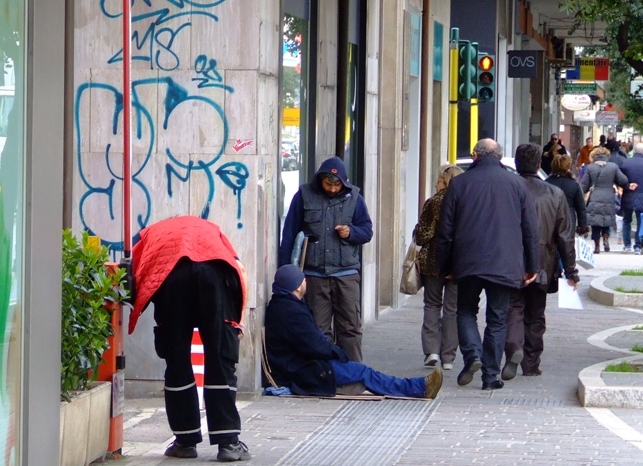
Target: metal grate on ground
(539,402)
(361,432)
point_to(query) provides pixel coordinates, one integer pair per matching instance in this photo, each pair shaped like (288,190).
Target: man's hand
(344,231)
(529,277)
(633,186)
(572,283)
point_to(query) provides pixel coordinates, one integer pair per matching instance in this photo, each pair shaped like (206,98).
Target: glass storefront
(296,140)
(12,49)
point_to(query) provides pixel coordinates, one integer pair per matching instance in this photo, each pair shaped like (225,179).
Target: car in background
(508,162)
(289,156)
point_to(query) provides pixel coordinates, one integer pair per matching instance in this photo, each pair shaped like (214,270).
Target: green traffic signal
(467,77)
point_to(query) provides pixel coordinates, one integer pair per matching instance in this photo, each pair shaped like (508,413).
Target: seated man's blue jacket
(298,352)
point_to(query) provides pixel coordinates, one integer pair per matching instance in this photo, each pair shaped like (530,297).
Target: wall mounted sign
(590,69)
(522,63)
(576,101)
(579,88)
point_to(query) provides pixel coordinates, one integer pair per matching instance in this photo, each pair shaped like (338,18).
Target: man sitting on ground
(302,359)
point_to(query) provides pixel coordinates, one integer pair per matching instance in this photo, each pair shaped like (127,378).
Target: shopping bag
(411,281)
(584,253)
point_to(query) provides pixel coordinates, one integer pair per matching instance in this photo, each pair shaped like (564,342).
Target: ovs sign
(576,101)
(522,63)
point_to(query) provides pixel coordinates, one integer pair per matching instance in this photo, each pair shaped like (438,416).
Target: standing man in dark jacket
(617,156)
(632,200)
(302,359)
(487,240)
(331,209)
(526,316)
(548,156)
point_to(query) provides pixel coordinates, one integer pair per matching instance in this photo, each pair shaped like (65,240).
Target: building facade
(235,103)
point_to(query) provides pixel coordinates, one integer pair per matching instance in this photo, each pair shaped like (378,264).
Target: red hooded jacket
(164,243)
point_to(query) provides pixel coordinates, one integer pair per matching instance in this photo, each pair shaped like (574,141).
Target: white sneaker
(447,366)
(431,359)
(627,248)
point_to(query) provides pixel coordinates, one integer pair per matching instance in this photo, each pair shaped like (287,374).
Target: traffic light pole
(473,124)
(453,95)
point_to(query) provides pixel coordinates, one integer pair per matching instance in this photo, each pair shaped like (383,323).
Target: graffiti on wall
(182,108)
(154,31)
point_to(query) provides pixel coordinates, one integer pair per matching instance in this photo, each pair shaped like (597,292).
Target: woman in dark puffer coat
(561,176)
(601,175)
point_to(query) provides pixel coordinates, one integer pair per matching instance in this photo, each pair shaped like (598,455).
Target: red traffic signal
(486,78)
(485,63)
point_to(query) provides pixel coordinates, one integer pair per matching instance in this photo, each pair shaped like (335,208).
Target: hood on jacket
(333,166)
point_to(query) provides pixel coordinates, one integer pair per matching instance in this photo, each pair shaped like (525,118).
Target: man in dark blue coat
(487,240)
(617,155)
(331,209)
(632,200)
(302,359)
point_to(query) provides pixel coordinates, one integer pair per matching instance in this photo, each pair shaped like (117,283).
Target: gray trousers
(335,302)
(440,328)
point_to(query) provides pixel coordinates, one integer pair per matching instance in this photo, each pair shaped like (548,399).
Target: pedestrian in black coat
(616,156)
(526,317)
(632,201)
(562,177)
(487,240)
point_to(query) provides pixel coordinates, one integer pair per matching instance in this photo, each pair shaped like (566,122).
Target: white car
(508,162)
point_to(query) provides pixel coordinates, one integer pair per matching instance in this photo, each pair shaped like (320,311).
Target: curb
(608,297)
(592,389)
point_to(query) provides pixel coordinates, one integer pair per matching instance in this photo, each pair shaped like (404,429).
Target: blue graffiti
(210,76)
(102,195)
(155,44)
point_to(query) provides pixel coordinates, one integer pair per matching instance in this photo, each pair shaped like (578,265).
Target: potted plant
(87,287)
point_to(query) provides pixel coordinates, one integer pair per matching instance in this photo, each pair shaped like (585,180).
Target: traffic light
(486,78)
(468,55)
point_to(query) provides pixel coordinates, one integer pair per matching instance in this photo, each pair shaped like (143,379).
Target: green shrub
(632,273)
(638,348)
(87,287)
(623,366)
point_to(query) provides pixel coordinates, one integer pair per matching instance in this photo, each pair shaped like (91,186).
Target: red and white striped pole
(198,364)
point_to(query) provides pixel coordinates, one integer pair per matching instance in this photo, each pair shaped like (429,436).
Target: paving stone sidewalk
(532,420)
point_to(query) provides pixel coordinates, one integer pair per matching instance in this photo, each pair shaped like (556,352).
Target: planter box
(84,426)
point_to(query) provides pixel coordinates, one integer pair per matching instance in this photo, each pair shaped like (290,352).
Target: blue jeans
(490,351)
(627,228)
(377,382)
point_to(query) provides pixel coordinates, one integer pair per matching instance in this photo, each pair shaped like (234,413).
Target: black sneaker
(233,452)
(176,450)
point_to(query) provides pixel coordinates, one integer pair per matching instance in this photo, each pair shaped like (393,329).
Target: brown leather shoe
(433,383)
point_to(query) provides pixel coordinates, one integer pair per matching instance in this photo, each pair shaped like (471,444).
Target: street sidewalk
(533,420)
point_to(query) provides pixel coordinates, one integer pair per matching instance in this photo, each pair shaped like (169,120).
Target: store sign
(606,117)
(522,63)
(576,101)
(584,115)
(590,69)
(579,88)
